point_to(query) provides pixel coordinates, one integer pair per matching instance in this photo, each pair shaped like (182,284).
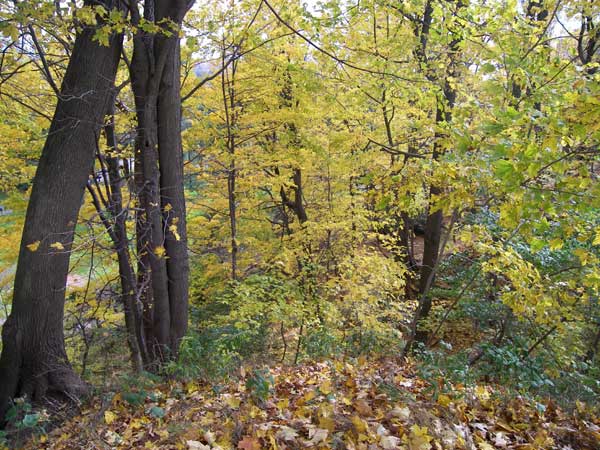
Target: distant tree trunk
(435,217)
(298,203)
(433,224)
(229,102)
(115,223)
(443,115)
(34,362)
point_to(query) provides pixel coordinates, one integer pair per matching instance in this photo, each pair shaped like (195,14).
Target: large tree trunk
(162,244)
(34,361)
(172,195)
(145,88)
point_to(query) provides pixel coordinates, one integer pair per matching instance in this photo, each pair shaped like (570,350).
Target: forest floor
(341,405)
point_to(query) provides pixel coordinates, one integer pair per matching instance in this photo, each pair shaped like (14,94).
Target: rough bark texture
(162,243)
(34,362)
(172,195)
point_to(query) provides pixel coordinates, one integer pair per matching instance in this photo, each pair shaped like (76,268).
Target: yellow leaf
(109,417)
(173,230)
(419,438)
(232,402)
(583,256)
(444,400)
(135,424)
(191,388)
(168,207)
(160,251)
(597,238)
(273,442)
(33,246)
(482,393)
(57,246)
(485,446)
(307,397)
(359,424)
(556,244)
(327,423)
(326,387)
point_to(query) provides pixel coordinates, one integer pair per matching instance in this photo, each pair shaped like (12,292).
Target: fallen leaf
(401,413)
(249,443)
(389,442)
(209,437)
(363,408)
(325,387)
(109,417)
(419,438)
(444,400)
(317,435)
(286,433)
(195,445)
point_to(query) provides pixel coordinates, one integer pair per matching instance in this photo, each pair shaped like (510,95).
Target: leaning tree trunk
(34,361)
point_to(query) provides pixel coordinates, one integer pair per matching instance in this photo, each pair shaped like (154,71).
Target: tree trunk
(161,234)
(34,361)
(443,115)
(133,319)
(172,195)
(229,102)
(145,82)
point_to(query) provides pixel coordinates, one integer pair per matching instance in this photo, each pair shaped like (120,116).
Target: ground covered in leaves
(339,405)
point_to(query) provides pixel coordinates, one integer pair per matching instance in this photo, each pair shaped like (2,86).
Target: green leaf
(157,412)
(504,169)
(488,68)
(536,245)
(31,420)
(383,203)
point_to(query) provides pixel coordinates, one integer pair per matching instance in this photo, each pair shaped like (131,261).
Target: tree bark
(162,244)
(172,195)
(34,362)
(133,319)
(443,115)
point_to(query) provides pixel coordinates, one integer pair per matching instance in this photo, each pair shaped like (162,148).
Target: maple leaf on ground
(316,436)
(195,445)
(249,443)
(287,433)
(109,417)
(389,442)
(419,438)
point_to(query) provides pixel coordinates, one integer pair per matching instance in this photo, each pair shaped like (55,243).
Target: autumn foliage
(330,224)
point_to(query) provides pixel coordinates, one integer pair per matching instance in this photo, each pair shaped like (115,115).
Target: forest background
(344,181)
